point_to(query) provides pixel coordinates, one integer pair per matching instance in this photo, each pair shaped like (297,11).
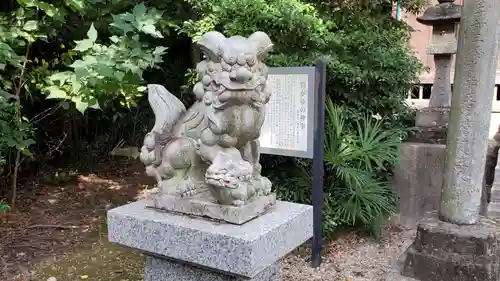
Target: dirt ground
(59,230)
(53,220)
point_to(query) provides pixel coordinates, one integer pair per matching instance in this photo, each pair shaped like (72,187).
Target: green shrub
(371,66)
(96,73)
(354,163)
(4,207)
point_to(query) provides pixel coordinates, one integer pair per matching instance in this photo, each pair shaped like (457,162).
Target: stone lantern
(444,18)
(417,185)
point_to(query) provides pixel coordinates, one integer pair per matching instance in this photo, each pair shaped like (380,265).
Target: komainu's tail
(168,109)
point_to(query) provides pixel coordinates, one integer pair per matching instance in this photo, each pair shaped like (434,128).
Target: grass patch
(97,261)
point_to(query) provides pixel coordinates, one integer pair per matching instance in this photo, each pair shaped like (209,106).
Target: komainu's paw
(238,203)
(266,186)
(178,187)
(152,191)
(262,185)
(190,190)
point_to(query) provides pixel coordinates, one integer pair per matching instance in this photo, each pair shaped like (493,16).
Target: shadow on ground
(51,221)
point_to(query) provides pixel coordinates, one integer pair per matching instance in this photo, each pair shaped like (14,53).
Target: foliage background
(73,74)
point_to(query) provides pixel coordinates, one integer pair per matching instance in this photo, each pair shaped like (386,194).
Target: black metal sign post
(314,118)
(317,165)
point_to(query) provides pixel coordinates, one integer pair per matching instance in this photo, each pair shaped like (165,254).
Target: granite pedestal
(180,247)
(445,251)
(493,192)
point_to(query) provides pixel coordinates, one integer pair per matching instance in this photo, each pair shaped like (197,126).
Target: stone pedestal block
(417,180)
(181,247)
(446,251)
(490,173)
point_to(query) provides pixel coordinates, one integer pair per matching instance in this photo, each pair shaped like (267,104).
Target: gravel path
(352,257)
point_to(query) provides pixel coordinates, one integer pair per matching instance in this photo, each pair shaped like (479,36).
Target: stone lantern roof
(446,12)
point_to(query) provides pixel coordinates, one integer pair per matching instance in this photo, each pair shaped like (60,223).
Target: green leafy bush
(95,73)
(4,207)
(354,163)
(371,66)
(106,71)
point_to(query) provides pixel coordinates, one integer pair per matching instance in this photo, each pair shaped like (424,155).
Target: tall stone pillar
(471,113)
(457,244)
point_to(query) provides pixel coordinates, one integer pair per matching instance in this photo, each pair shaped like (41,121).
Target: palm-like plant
(357,152)
(353,162)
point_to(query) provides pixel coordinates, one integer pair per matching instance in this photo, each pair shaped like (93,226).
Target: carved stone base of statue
(204,204)
(189,248)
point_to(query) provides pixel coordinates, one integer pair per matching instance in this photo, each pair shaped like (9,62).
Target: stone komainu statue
(213,144)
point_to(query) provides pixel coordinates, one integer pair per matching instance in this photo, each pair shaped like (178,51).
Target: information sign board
(288,128)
